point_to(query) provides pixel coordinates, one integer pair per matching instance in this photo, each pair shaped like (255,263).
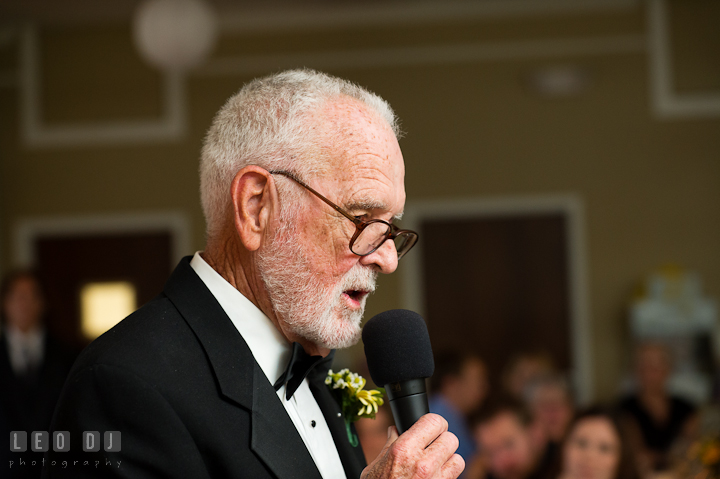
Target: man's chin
(338,328)
(342,341)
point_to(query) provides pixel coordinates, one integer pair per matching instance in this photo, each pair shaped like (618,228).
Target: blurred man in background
(33,366)
(524,368)
(550,404)
(459,386)
(506,445)
(660,418)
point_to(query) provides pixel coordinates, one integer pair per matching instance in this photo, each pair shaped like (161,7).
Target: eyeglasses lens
(403,243)
(370,238)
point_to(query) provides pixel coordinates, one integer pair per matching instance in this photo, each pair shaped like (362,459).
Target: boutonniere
(355,401)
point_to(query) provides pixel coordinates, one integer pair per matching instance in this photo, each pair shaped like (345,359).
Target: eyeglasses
(369,235)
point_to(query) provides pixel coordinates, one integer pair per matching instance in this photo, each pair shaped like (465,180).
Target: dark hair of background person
(541,363)
(447,364)
(627,465)
(498,405)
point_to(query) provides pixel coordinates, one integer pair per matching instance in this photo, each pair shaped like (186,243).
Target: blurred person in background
(550,404)
(373,433)
(597,447)
(33,366)
(523,369)
(506,447)
(458,387)
(659,417)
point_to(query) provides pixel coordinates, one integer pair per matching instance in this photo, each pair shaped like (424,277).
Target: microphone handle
(408,402)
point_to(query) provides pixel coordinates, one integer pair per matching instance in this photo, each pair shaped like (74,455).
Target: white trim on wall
(348,16)
(36,134)
(27,230)
(426,55)
(667,103)
(171,126)
(572,207)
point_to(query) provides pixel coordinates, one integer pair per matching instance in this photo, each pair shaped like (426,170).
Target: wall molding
(36,134)
(378,14)
(667,103)
(27,230)
(426,55)
(172,124)
(572,207)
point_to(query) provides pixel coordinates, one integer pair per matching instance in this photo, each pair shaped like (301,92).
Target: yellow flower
(370,400)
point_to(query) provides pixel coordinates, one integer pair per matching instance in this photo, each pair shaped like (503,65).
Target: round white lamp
(174,35)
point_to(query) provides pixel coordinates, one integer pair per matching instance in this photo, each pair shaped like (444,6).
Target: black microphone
(399,356)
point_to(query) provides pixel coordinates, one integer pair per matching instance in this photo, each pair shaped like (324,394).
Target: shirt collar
(270,349)
(34,339)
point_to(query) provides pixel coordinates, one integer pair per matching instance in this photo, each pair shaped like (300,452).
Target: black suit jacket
(182,387)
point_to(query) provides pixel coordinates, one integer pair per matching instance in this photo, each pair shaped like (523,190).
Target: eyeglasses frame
(360,225)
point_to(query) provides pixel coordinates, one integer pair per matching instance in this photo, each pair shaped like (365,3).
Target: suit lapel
(352,458)
(281,448)
(273,435)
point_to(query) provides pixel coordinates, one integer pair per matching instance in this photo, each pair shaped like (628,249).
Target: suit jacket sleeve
(154,441)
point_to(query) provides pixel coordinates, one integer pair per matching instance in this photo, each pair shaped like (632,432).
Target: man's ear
(254,200)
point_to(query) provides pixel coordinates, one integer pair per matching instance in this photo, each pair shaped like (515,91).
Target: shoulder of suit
(150,340)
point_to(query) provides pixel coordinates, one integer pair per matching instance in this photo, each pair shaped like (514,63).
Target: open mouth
(355,294)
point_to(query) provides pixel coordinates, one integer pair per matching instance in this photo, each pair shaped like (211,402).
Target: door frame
(28,230)
(571,207)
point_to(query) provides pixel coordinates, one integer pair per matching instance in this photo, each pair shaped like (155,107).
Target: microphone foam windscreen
(397,347)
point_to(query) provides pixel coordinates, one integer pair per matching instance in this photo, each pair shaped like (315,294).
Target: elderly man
(301,178)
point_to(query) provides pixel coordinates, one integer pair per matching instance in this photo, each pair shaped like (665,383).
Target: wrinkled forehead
(361,154)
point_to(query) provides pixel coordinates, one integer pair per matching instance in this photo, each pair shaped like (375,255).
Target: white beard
(311,309)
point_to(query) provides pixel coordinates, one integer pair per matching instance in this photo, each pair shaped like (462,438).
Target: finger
(392,437)
(444,446)
(452,468)
(437,454)
(424,432)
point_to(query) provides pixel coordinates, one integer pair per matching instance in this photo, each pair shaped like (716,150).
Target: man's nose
(385,257)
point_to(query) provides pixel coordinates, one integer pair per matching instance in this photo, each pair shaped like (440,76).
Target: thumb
(392,437)
(382,457)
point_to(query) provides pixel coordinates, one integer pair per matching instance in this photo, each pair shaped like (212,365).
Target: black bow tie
(298,368)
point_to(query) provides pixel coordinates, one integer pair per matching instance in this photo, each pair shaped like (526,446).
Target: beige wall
(650,186)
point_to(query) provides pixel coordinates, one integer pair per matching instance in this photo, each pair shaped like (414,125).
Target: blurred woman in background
(596,447)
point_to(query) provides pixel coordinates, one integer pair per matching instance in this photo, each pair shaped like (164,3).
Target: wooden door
(498,286)
(67,263)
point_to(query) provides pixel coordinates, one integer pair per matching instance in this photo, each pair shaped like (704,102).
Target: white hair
(265,124)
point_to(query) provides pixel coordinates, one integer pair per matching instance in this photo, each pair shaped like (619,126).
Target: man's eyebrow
(368,204)
(365,204)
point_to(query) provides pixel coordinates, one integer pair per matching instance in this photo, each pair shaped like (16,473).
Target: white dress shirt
(272,352)
(26,350)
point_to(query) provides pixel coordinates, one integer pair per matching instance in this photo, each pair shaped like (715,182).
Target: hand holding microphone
(399,355)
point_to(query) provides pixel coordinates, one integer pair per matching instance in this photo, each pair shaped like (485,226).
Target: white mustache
(360,278)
